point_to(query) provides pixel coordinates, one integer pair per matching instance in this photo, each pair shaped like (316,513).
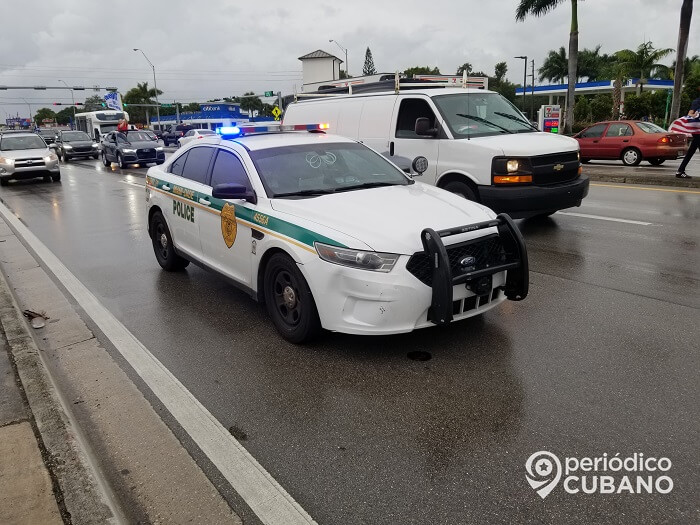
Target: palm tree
(555,67)
(679,75)
(590,63)
(141,94)
(643,63)
(542,7)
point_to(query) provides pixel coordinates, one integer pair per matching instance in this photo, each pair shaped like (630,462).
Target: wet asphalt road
(603,357)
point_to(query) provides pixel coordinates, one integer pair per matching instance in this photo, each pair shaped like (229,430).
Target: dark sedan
(75,144)
(132,147)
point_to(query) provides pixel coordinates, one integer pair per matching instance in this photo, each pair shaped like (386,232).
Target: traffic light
(103,104)
(56,103)
(125,104)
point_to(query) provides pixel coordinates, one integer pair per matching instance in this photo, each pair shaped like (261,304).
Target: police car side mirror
(230,190)
(423,129)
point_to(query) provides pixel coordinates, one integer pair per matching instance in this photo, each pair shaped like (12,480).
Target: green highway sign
(269,93)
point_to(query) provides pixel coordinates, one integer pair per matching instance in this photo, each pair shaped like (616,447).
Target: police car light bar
(238,131)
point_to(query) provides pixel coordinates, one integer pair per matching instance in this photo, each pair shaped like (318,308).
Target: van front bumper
(525,201)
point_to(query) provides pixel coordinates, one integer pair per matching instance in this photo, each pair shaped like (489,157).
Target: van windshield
(480,115)
(318,169)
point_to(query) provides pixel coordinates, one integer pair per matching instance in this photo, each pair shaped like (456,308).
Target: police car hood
(385,219)
(25,153)
(528,144)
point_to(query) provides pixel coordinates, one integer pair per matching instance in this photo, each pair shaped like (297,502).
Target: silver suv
(26,156)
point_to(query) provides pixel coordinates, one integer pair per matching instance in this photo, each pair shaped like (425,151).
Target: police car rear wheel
(289,301)
(163,245)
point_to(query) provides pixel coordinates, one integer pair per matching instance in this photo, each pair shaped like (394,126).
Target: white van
(477,143)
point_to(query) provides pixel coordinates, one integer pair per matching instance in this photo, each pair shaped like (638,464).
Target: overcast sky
(211,49)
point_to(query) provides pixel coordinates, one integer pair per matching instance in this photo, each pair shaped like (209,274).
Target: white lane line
(602,218)
(266,498)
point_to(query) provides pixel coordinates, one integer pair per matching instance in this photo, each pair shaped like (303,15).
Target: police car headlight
(363,260)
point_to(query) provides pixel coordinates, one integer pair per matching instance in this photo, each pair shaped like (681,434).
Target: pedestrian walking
(690,124)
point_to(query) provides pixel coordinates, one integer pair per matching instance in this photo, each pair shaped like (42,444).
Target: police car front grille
(146,153)
(487,252)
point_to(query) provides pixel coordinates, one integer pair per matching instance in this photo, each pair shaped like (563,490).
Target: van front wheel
(461,189)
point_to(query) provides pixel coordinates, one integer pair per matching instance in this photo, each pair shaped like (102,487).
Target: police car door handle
(204,201)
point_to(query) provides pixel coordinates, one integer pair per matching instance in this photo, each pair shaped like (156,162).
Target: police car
(329,234)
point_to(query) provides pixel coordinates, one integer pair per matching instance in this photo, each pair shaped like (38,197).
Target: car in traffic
(630,141)
(26,156)
(194,134)
(131,147)
(48,134)
(173,133)
(330,234)
(75,145)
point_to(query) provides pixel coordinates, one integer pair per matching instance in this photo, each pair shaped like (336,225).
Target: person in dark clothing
(694,144)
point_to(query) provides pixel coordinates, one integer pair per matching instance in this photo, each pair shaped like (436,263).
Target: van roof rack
(397,84)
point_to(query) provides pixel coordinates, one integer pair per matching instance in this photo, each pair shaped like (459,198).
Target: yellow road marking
(635,187)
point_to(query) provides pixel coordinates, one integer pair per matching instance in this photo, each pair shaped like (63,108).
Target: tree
(368,68)
(678,77)
(600,107)
(590,64)
(542,7)
(464,67)
(191,107)
(642,63)
(94,103)
(251,103)
(500,71)
(582,112)
(44,113)
(555,67)
(141,94)
(421,70)
(65,116)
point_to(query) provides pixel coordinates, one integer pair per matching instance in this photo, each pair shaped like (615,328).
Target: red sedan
(630,141)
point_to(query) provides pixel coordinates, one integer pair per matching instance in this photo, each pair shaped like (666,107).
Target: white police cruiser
(330,234)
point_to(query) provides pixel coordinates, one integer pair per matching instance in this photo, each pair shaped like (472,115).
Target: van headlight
(361,259)
(512,165)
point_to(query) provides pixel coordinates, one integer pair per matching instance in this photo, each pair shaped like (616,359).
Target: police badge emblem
(229,227)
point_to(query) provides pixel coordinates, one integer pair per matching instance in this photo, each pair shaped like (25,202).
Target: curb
(651,180)
(80,493)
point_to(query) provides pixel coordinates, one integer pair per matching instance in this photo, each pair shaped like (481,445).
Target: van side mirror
(423,129)
(420,165)
(230,190)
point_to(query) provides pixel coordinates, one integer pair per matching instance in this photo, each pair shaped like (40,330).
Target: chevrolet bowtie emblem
(558,167)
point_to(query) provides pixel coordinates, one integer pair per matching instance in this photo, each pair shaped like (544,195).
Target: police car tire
(300,324)
(165,255)
(462,189)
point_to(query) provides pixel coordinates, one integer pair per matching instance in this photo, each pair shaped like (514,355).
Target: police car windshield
(317,169)
(10,143)
(74,136)
(480,114)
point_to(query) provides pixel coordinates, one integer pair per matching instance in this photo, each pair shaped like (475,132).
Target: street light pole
(347,70)
(532,91)
(155,86)
(524,80)
(72,97)
(31,118)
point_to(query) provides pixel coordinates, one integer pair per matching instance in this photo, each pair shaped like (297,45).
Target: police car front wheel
(163,245)
(289,301)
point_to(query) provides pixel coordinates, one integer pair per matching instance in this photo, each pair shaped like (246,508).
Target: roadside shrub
(601,107)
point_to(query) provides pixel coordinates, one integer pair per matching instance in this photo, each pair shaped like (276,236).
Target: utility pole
(155,87)
(524,80)
(532,92)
